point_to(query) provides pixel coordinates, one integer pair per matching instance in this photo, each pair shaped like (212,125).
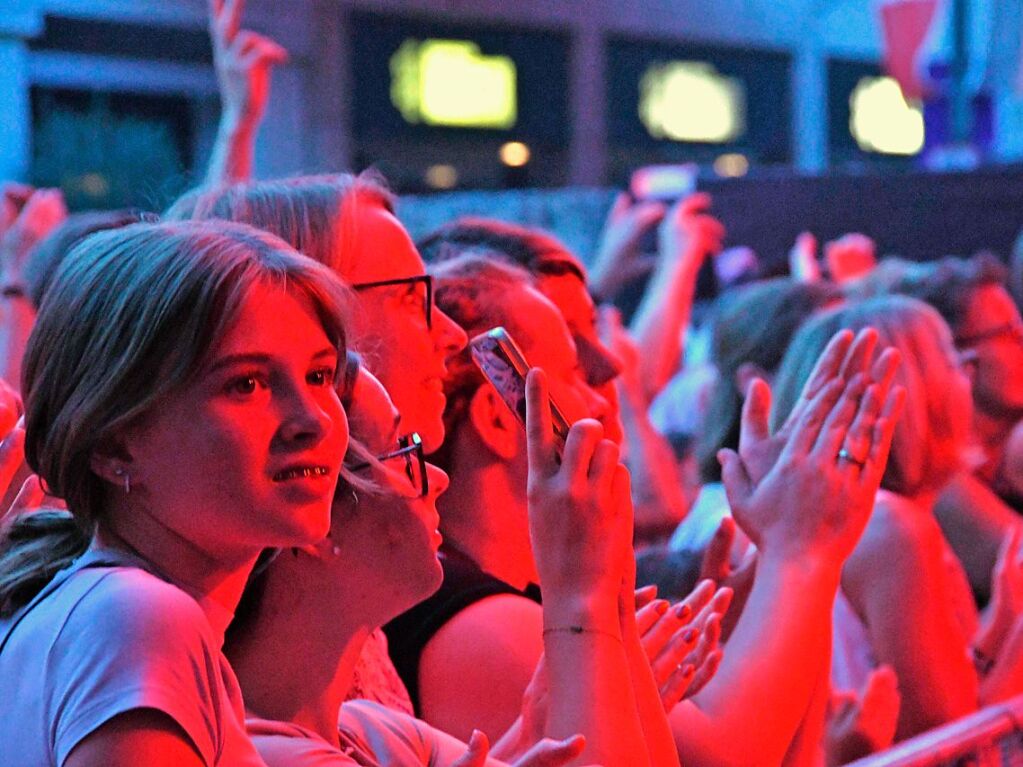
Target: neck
(484,514)
(296,660)
(213,581)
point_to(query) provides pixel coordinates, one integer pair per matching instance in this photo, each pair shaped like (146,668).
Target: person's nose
(599,363)
(448,334)
(439,481)
(307,420)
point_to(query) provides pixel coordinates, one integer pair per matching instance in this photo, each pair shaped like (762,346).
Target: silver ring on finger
(845,455)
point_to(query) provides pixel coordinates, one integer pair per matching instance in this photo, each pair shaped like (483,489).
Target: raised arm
(805,509)
(580,526)
(244,61)
(687,236)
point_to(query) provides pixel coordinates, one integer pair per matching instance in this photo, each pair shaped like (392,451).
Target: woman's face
(247,455)
(402,351)
(393,535)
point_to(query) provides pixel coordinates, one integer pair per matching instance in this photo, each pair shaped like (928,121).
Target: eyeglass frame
(409,443)
(1010,329)
(426,279)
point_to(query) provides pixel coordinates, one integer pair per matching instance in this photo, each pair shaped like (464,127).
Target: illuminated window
(691,101)
(451,83)
(881,120)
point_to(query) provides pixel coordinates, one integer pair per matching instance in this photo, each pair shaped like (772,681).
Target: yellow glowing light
(691,101)
(731,165)
(882,121)
(515,154)
(441,177)
(451,83)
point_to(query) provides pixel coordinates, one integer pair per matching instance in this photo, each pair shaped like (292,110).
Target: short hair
(131,316)
(42,261)
(534,250)
(316,215)
(752,323)
(948,284)
(475,291)
(922,435)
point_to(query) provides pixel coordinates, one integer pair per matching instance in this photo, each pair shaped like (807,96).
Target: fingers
(857,360)
(581,447)
(827,367)
(476,753)
(716,564)
(31,496)
(231,19)
(649,615)
(12,455)
(677,685)
(735,478)
(553,753)
(603,463)
(540,449)
(754,426)
(645,596)
(705,672)
(836,432)
(805,431)
(256,50)
(881,443)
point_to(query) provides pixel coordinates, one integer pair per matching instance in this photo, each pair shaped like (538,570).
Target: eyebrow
(260,358)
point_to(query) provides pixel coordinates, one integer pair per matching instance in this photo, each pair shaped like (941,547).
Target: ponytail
(34,547)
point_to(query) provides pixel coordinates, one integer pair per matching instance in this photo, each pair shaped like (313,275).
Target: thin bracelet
(577,630)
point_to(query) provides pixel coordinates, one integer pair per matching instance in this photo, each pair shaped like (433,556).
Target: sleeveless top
(464,585)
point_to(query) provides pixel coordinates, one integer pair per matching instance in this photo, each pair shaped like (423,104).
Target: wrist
(597,611)
(805,567)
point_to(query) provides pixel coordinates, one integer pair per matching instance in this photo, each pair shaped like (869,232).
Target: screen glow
(881,120)
(691,101)
(451,83)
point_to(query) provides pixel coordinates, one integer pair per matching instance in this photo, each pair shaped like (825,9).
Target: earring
(120,471)
(335,550)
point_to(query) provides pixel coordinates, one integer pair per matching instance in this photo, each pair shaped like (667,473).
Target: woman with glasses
(904,600)
(304,618)
(348,223)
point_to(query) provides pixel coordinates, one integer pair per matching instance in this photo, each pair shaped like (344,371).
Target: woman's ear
(111,461)
(745,374)
(494,422)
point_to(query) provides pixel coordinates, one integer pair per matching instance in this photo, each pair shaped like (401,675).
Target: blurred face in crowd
(402,348)
(599,364)
(993,331)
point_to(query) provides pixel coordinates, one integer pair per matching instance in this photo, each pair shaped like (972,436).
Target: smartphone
(505,366)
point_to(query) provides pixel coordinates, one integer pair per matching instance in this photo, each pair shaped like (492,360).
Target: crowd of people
(262,507)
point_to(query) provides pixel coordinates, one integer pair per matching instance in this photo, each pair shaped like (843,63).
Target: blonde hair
(926,451)
(132,316)
(316,215)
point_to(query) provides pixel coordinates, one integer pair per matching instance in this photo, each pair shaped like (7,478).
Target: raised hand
(243,60)
(689,232)
(810,488)
(863,722)
(580,514)
(850,256)
(803,265)
(618,257)
(1006,605)
(43,211)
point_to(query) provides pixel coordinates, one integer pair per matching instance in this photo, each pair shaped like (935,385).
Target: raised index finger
(827,367)
(540,447)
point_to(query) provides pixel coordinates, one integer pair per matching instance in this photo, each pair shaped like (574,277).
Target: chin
(309,525)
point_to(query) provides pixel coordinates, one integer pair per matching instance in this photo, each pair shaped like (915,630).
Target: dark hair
(531,249)
(42,261)
(948,284)
(130,317)
(753,323)
(473,290)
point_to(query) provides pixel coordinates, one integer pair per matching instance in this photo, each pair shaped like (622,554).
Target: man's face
(993,330)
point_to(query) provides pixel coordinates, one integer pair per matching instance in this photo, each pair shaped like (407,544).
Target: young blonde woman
(179,397)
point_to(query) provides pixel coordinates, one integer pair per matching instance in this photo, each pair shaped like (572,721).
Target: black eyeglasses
(410,449)
(427,281)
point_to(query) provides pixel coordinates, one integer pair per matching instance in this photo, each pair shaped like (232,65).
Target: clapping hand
(810,487)
(862,723)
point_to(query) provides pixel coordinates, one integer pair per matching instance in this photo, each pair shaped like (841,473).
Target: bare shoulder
(499,623)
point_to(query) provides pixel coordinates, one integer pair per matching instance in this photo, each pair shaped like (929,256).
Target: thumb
(476,753)
(553,753)
(738,486)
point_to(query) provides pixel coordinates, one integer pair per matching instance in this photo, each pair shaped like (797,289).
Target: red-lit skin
(203,499)
(998,381)
(390,329)
(600,364)
(492,646)
(919,616)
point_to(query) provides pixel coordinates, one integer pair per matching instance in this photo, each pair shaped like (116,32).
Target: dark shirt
(464,584)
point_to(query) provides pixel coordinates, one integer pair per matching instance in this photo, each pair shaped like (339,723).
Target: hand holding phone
(505,366)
